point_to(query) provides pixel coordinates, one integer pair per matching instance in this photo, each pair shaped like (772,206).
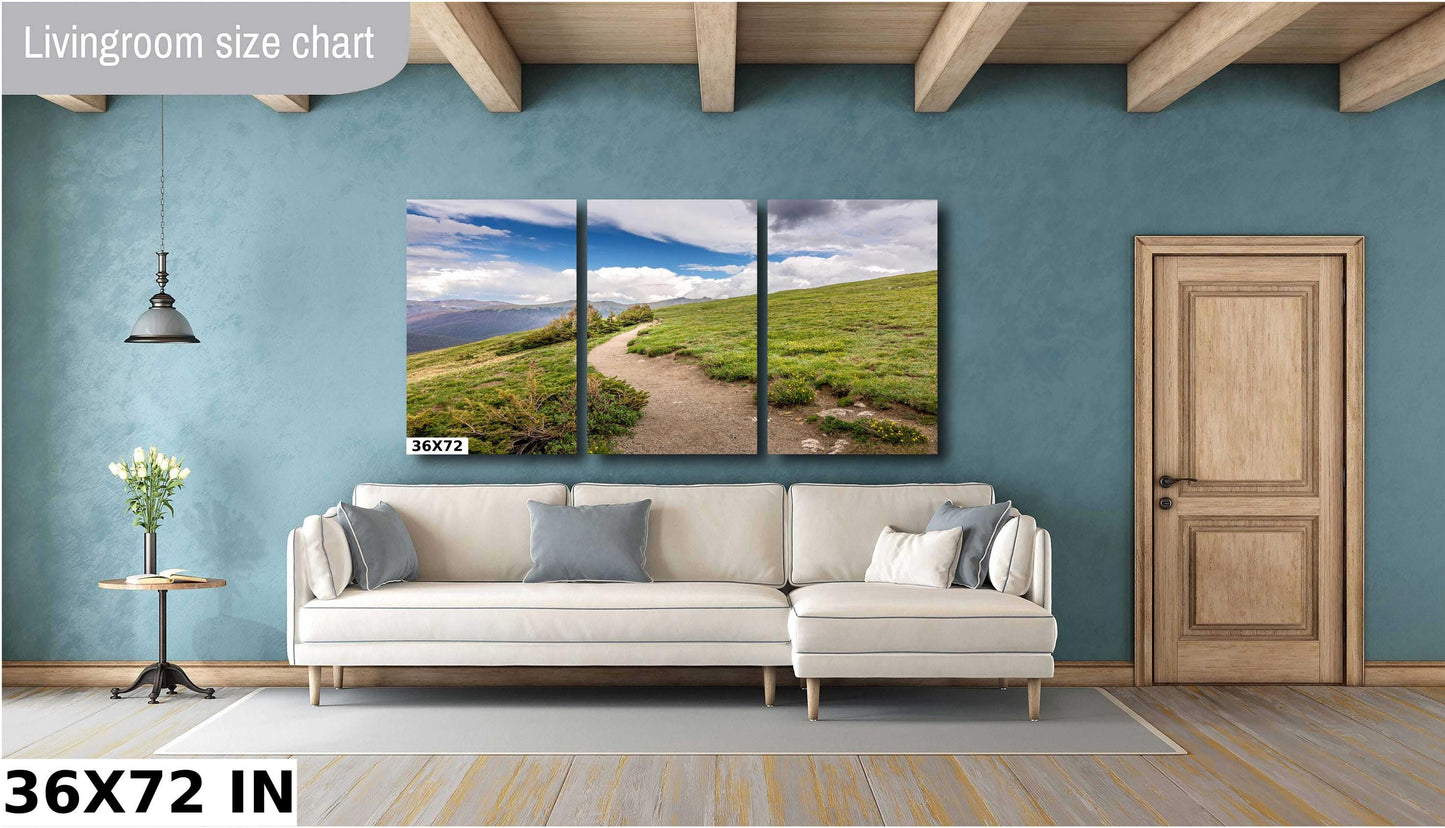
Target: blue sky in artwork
(650,250)
(520,251)
(611,247)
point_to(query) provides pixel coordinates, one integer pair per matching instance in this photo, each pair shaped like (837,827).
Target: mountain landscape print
(672,327)
(852,326)
(491,324)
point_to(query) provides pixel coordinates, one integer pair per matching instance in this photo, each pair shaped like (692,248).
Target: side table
(163,673)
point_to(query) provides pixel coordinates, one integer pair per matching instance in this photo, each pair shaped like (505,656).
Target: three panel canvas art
(671,320)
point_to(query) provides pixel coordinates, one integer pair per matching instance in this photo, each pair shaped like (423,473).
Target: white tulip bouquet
(151,480)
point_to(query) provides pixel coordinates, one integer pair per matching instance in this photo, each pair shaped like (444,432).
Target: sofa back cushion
(724,532)
(834,526)
(466,533)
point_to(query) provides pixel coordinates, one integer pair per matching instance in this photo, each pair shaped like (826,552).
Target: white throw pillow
(322,545)
(1011,558)
(922,559)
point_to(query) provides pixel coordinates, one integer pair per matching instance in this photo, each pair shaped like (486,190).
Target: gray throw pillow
(381,548)
(979,525)
(589,543)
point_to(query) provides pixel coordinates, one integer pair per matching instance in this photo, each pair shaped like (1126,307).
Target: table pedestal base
(163,674)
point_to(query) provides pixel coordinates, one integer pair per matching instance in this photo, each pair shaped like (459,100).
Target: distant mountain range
(442,323)
(447,322)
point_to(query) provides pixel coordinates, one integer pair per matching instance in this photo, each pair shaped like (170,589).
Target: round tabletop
(119,583)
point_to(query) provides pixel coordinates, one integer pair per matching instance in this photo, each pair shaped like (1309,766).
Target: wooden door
(1248,388)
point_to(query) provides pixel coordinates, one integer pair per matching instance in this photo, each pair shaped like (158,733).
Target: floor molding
(1405,673)
(282,674)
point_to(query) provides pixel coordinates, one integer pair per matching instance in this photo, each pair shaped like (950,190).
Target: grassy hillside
(875,340)
(722,335)
(507,403)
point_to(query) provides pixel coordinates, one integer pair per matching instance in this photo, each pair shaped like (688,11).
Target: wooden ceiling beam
(1207,39)
(78,103)
(286,103)
(1401,64)
(960,43)
(717,53)
(477,48)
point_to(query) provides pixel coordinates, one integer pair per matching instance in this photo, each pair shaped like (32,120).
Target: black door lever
(1166,481)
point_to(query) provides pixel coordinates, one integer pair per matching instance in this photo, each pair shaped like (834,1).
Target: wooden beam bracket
(1399,65)
(1207,39)
(717,53)
(963,39)
(286,103)
(78,103)
(477,48)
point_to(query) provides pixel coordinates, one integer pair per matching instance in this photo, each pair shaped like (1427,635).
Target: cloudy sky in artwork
(819,242)
(522,251)
(650,250)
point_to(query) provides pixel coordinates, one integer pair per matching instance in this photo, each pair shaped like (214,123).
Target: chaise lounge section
(842,627)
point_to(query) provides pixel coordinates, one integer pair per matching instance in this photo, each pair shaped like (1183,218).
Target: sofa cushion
(1011,558)
(465,533)
(890,618)
(589,543)
(834,526)
(321,546)
(979,525)
(552,612)
(708,533)
(917,558)
(381,549)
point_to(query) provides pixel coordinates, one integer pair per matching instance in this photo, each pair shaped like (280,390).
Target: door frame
(1352,248)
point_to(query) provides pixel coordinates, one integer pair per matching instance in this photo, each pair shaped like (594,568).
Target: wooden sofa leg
(337,676)
(1036,687)
(313,674)
(814,686)
(1003,684)
(770,685)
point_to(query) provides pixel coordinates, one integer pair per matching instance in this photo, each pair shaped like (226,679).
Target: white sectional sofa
(743,575)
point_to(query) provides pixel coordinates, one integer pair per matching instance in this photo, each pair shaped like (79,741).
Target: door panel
(1248,398)
(1248,338)
(1250,575)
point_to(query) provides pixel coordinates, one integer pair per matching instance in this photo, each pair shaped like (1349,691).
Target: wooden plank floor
(1277,755)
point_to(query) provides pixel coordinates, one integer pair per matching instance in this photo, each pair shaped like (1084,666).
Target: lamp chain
(161,274)
(163,172)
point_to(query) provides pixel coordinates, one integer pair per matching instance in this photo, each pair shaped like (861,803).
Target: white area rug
(671,720)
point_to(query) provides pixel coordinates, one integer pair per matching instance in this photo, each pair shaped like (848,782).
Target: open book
(168,576)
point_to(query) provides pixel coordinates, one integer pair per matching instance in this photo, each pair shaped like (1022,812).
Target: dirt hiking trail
(686,413)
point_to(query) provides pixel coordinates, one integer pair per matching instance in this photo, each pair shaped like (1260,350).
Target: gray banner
(201,48)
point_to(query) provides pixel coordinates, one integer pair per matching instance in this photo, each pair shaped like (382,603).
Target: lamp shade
(162,323)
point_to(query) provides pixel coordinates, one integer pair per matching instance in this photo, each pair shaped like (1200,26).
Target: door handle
(1166,481)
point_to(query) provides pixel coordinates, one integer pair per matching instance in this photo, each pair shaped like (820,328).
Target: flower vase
(150,552)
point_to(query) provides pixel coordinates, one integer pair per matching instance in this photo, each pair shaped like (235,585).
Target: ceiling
(897,32)
(1385,51)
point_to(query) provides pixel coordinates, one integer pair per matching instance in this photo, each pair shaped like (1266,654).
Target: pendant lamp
(162,322)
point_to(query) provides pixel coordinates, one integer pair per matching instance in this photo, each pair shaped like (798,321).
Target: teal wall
(287,240)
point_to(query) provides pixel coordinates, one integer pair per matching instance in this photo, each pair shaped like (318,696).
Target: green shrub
(599,325)
(534,418)
(635,315)
(613,409)
(873,428)
(785,392)
(561,329)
